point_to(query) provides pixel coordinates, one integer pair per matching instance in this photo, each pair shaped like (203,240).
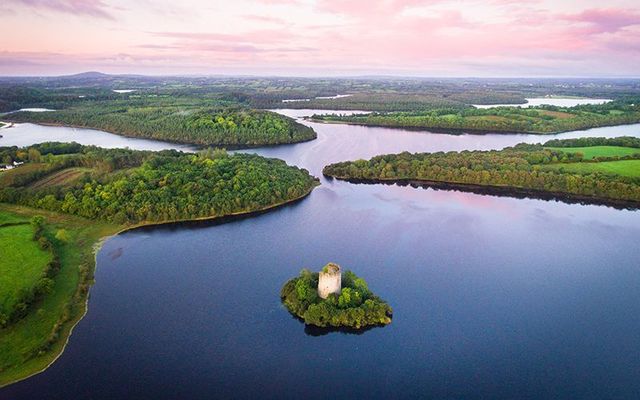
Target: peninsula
(192,121)
(589,169)
(62,199)
(535,120)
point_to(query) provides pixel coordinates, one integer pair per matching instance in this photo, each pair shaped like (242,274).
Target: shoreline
(197,146)
(463,131)
(97,246)
(501,191)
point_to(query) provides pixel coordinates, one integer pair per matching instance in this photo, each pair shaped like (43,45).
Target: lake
(27,134)
(493,297)
(550,101)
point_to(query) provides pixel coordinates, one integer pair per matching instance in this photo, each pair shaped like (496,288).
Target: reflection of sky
(484,289)
(28,134)
(349,142)
(552,101)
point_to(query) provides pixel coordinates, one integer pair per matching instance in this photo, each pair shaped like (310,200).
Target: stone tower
(330,280)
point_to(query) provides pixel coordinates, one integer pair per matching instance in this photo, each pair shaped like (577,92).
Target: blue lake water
(493,297)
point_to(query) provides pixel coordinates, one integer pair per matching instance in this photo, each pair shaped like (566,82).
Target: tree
(63,236)
(34,155)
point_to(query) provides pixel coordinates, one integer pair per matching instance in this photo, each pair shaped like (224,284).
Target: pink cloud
(258,36)
(93,8)
(606,20)
(424,37)
(262,18)
(367,7)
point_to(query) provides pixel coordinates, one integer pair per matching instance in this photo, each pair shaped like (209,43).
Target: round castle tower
(330,280)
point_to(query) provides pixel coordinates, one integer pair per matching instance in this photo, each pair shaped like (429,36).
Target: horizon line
(340,76)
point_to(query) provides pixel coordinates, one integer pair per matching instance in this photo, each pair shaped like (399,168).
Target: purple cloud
(92,8)
(606,20)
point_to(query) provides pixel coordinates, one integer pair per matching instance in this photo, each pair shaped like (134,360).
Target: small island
(332,299)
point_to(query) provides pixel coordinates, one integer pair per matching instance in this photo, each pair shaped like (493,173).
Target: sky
(435,38)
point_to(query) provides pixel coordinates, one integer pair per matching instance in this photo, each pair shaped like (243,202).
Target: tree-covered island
(590,169)
(59,200)
(543,119)
(193,121)
(332,299)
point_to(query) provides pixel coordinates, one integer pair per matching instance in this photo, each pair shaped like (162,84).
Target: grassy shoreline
(98,233)
(463,131)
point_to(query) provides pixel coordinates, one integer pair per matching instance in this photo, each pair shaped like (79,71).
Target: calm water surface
(551,101)
(28,134)
(494,297)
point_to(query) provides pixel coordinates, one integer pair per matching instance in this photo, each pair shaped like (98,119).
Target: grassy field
(60,178)
(9,219)
(8,178)
(22,262)
(32,343)
(598,151)
(630,168)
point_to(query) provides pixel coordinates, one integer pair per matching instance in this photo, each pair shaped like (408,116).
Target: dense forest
(214,125)
(525,166)
(366,93)
(538,120)
(355,307)
(129,187)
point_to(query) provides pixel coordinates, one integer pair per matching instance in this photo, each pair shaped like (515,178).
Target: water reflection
(489,294)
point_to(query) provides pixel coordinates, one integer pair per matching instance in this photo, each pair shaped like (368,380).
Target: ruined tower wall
(330,280)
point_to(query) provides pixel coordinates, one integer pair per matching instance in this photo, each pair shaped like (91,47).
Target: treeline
(540,120)
(219,125)
(522,166)
(623,141)
(371,94)
(43,286)
(130,187)
(370,102)
(355,307)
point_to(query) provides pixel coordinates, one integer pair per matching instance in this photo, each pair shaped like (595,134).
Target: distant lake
(551,101)
(37,109)
(28,134)
(338,96)
(493,297)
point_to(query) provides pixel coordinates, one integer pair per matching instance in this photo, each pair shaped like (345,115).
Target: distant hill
(87,75)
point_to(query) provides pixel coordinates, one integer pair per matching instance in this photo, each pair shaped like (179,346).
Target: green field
(598,151)
(22,263)
(32,343)
(629,168)
(9,178)
(64,177)
(7,218)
